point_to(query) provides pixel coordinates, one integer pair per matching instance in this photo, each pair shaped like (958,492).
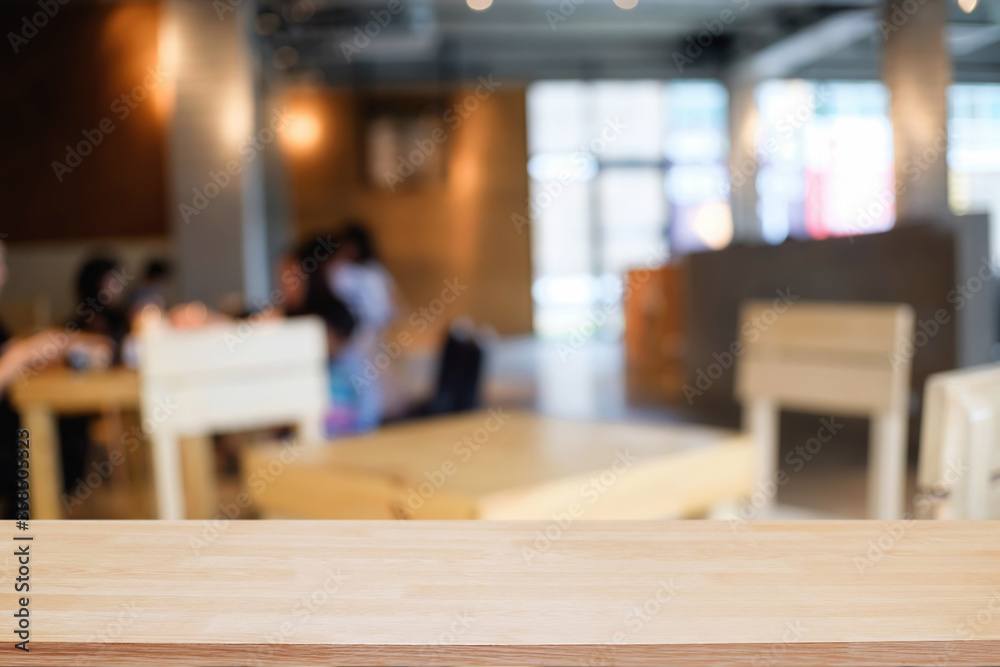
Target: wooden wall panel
(460,228)
(64,81)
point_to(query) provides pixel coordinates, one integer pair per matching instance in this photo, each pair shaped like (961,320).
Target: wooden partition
(508,593)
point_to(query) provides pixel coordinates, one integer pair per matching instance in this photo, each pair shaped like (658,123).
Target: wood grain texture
(505,464)
(511,593)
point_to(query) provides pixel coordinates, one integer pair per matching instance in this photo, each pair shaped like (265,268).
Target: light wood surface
(227,377)
(848,359)
(451,593)
(59,391)
(959,471)
(504,465)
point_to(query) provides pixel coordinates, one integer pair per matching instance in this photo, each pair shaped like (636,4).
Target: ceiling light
(968,6)
(479,5)
(626,4)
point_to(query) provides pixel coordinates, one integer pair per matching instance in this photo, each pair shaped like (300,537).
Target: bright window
(622,173)
(974,153)
(825,159)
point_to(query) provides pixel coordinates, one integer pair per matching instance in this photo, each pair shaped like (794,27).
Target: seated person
(20,358)
(352,407)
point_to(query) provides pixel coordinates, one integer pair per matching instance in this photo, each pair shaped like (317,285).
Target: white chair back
(240,376)
(959,470)
(845,359)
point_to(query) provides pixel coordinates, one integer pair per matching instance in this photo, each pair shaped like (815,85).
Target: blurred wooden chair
(225,378)
(959,470)
(845,359)
(26,316)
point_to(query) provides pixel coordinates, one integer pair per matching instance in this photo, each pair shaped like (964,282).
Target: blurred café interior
(508,259)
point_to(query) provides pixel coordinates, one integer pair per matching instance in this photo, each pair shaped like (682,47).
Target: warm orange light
(168,57)
(303,131)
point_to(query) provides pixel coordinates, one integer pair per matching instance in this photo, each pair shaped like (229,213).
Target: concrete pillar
(744,128)
(216,170)
(916,69)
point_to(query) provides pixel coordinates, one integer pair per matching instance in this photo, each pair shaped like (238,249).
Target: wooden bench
(508,593)
(504,465)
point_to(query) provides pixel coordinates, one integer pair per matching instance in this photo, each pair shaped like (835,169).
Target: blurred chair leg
(887,467)
(200,486)
(168,476)
(761,422)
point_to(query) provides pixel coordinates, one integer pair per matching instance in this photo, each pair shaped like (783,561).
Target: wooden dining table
(503,464)
(55,392)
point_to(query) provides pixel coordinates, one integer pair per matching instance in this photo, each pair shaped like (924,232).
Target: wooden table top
(66,390)
(422,593)
(520,465)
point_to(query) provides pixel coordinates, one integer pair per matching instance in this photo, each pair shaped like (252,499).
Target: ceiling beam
(807,46)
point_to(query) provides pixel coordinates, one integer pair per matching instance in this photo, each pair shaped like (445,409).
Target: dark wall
(914,265)
(67,77)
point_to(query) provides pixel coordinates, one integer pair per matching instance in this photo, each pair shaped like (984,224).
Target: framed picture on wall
(405,145)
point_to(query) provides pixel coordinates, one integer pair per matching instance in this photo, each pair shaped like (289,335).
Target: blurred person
(101,284)
(153,287)
(20,357)
(306,292)
(358,277)
(101,287)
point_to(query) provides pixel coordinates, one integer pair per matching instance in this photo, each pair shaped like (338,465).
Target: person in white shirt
(358,278)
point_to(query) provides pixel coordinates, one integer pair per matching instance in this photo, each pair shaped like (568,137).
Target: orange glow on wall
(303,131)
